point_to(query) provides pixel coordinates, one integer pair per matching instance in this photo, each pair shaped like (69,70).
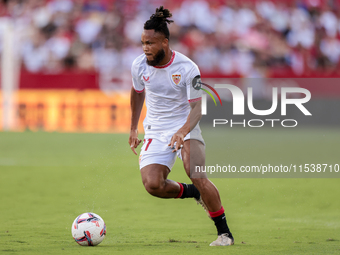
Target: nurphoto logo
(239,105)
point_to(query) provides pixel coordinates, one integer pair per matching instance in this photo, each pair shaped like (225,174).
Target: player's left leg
(193,154)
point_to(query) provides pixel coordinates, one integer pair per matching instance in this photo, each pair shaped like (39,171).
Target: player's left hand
(177,141)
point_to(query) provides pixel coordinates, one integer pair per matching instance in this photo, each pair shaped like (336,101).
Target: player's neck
(167,58)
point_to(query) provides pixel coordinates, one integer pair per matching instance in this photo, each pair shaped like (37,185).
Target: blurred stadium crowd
(248,38)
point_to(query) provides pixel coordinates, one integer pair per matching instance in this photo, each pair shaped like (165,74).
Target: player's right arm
(136,103)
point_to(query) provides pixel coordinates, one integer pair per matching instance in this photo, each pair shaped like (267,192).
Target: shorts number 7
(148,144)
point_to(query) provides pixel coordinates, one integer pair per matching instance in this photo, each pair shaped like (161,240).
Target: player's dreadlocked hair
(159,20)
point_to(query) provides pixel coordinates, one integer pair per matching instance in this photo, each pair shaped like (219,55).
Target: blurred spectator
(108,58)
(60,6)
(35,54)
(58,44)
(301,29)
(329,21)
(330,47)
(245,19)
(89,27)
(85,60)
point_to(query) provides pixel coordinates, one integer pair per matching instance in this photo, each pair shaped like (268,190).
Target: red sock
(181,191)
(218,213)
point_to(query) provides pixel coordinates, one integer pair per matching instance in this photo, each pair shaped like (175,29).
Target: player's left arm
(194,117)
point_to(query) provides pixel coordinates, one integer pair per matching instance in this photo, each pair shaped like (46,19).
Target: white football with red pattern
(88,229)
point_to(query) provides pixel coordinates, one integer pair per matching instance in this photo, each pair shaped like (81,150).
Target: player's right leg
(155,181)
(154,177)
(156,160)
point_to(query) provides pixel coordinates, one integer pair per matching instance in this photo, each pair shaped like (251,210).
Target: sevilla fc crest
(176,78)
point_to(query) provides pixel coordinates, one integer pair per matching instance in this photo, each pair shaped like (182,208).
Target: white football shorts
(155,149)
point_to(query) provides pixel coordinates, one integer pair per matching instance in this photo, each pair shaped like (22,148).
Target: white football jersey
(168,90)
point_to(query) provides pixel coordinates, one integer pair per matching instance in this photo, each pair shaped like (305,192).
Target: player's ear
(165,42)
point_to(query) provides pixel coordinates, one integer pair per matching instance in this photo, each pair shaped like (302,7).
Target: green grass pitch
(47,179)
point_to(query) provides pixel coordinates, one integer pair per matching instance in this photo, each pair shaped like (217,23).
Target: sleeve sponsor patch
(196,82)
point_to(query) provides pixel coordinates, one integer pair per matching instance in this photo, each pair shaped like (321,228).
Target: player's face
(153,46)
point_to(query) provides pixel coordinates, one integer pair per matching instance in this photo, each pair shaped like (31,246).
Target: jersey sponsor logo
(146,78)
(176,78)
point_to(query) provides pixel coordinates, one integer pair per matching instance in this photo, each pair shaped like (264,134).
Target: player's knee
(153,188)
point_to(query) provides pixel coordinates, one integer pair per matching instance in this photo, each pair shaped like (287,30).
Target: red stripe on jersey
(218,213)
(138,91)
(170,62)
(195,100)
(181,191)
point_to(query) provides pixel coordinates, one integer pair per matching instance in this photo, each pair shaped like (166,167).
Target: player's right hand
(134,141)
